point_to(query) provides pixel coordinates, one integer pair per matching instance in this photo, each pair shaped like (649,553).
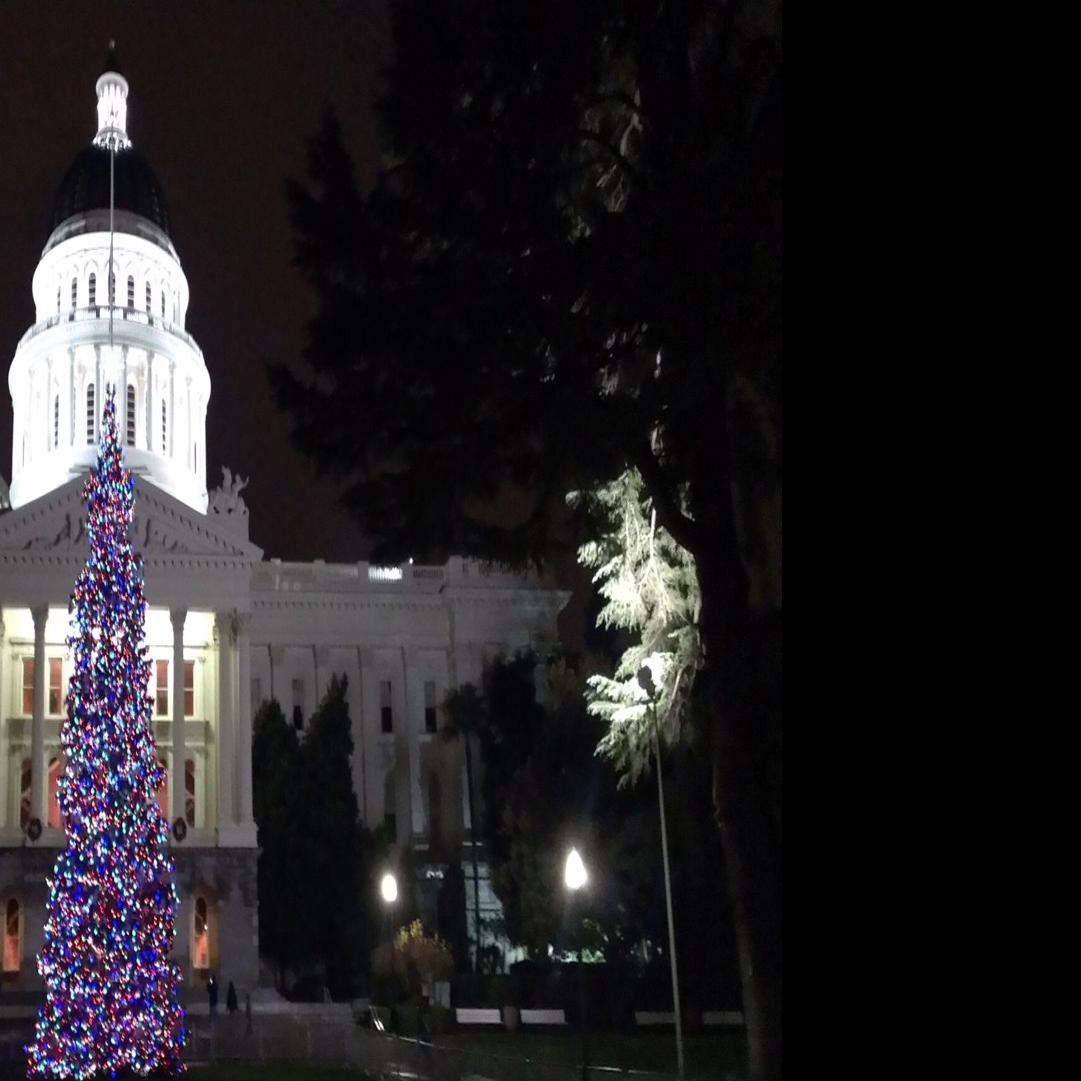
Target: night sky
(223,97)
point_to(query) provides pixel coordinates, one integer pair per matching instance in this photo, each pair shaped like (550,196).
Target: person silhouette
(212,995)
(230,999)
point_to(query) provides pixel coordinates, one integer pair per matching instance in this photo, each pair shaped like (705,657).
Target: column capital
(40,612)
(177,617)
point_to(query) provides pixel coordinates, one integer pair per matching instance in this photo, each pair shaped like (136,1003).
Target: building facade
(225,627)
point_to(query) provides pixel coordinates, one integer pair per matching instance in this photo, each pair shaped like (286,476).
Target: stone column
(223,633)
(38,786)
(149,400)
(243,646)
(357,714)
(172,407)
(5,727)
(414,725)
(122,396)
(177,617)
(99,392)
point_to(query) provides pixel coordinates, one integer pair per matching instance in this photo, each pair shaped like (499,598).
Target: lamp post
(645,681)
(575,878)
(388,890)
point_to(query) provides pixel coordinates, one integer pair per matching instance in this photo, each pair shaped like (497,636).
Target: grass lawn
(281,1072)
(709,1057)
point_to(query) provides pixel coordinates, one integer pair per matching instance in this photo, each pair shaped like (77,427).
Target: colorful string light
(111,1006)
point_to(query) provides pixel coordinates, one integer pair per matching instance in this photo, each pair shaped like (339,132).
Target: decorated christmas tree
(111,1005)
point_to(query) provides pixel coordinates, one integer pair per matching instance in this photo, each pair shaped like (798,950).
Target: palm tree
(464,710)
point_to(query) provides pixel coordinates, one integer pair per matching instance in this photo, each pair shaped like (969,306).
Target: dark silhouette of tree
(570,265)
(464,713)
(282,869)
(332,837)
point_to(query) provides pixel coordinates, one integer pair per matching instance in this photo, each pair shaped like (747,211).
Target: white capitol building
(226,628)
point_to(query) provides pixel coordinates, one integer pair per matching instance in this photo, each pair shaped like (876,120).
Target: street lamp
(389,888)
(575,878)
(646,682)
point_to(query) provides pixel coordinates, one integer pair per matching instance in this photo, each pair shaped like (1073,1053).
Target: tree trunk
(473,849)
(743,799)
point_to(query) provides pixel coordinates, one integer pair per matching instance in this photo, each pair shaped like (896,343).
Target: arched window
(163,303)
(200,939)
(13,936)
(163,790)
(56,421)
(53,809)
(58,299)
(92,289)
(74,292)
(129,416)
(112,288)
(164,427)
(149,298)
(90,414)
(189,791)
(131,291)
(24,793)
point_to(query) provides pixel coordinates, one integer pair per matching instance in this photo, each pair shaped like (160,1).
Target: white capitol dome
(84,341)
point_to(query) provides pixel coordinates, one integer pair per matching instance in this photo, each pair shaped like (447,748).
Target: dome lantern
(112,91)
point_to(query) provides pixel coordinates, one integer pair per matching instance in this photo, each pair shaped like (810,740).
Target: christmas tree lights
(111,1005)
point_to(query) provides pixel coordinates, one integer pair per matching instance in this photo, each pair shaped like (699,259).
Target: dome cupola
(111,302)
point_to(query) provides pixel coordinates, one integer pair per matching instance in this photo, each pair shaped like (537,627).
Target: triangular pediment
(162,526)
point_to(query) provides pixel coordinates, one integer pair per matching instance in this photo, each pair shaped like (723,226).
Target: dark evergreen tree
(570,265)
(332,838)
(283,871)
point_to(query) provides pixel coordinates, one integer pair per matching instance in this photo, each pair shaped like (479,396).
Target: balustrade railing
(101,311)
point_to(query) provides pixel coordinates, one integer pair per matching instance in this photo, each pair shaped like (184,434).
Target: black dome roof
(86,187)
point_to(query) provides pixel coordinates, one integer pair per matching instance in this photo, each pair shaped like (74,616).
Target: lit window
(129,417)
(74,292)
(54,803)
(200,941)
(25,781)
(161,689)
(163,790)
(56,685)
(28,686)
(189,791)
(298,704)
(90,426)
(92,291)
(149,298)
(189,688)
(429,706)
(13,939)
(131,291)
(164,426)
(386,709)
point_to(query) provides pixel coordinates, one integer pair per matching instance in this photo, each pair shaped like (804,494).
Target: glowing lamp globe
(389,888)
(574,873)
